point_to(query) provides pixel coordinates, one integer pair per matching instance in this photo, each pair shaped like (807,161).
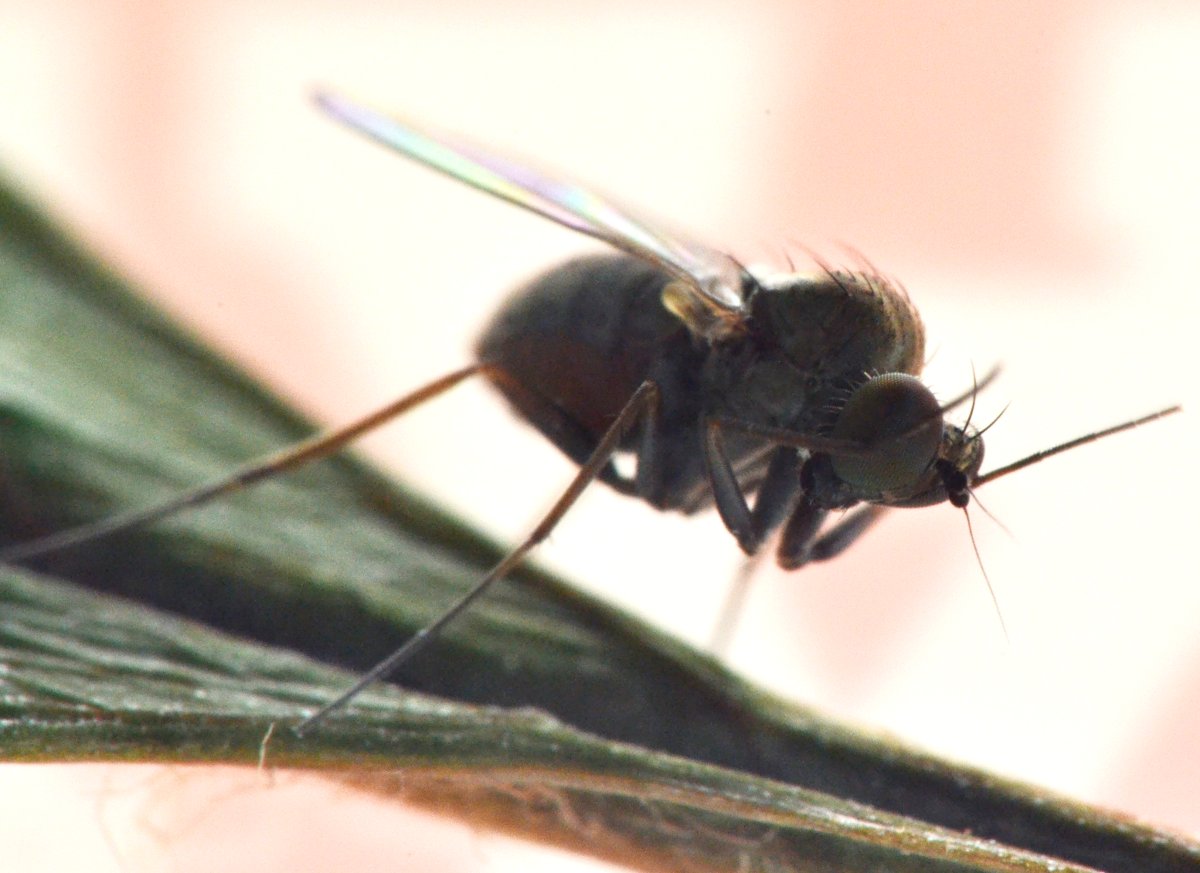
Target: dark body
(570,348)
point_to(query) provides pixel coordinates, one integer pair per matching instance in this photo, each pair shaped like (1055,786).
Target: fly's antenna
(1071,444)
(987,579)
(312,449)
(983,508)
(1028,461)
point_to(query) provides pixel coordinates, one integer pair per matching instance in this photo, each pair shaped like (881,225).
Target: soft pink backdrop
(1029,171)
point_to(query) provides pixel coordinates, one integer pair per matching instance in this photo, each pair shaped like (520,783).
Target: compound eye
(900,420)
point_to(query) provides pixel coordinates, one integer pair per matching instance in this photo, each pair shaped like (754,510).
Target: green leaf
(543,712)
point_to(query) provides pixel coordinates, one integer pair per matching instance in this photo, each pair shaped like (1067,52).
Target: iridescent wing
(708,293)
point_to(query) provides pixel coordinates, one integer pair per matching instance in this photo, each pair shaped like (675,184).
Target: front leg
(777,494)
(803,542)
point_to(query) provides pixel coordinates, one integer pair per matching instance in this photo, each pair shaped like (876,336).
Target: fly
(776,399)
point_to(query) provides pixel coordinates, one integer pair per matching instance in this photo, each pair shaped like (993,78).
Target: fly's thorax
(840,323)
(808,343)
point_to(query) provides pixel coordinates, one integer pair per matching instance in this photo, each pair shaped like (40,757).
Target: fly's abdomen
(569,349)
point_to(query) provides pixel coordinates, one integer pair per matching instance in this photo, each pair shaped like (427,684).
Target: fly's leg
(802,542)
(727,493)
(777,494)
(312,449)
(733,605)
(642,401)
(801,529)
(564,431)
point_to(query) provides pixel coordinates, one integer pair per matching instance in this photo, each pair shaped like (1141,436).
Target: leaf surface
(544,711)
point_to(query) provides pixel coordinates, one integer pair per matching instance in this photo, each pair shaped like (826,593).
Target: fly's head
(957,466)
(893,447)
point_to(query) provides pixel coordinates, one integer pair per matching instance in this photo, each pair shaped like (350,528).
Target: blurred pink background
(1029,171)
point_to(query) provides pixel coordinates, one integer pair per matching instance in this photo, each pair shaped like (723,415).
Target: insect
(776,399)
